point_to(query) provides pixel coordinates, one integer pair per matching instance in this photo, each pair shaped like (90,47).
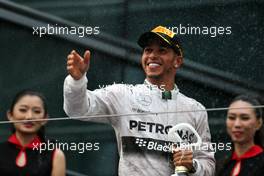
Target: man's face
(159,61)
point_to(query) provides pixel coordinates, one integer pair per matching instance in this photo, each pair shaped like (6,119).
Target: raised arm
(78,101)
(75,99)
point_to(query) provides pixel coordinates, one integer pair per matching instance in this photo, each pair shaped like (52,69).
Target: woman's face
(28,107)
(242,123)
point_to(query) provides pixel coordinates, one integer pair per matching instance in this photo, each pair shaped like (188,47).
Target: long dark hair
(254,101)
(19,95)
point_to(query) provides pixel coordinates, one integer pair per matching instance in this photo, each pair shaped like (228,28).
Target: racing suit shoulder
(190,102)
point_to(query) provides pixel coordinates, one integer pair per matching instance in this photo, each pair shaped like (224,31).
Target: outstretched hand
(77,66)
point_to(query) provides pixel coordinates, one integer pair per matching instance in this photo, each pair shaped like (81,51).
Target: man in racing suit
(141,123)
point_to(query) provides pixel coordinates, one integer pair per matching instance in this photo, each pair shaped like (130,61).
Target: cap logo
(164,30)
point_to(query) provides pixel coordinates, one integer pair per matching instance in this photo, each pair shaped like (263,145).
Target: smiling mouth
(28,124)
(153,65)
(237,133)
